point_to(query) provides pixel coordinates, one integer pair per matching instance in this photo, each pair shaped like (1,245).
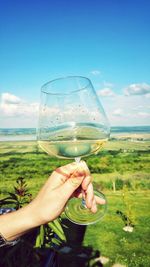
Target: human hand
(71,180)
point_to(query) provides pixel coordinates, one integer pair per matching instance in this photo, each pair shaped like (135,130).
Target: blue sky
(105,40)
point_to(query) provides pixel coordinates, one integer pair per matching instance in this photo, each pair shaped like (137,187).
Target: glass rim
(65,78)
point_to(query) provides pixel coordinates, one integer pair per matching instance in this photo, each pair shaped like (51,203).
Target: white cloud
(137,107)
(8,98)
(147,95)
(12,105)
(121,110)
(137,89)
(96,72)
(106,92)
(118,112)
(144,114)
(124,111)
(13,109)
(108,84)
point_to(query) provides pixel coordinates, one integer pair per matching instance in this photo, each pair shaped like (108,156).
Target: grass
(128,145)
(120,161)
(109,238)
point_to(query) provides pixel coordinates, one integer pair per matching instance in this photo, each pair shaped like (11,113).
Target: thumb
(71,185)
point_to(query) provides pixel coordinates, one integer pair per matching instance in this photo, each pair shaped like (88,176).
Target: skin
(71,180)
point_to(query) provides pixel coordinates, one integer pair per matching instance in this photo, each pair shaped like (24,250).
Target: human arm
(67,181)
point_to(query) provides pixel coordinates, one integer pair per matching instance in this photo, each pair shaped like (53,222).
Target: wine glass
(73,124)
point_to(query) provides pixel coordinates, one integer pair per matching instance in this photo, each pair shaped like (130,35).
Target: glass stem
(83,203)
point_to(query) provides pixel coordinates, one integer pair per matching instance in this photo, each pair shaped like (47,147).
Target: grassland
(123,163)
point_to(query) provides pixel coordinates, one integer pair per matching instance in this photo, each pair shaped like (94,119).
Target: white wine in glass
(72,125)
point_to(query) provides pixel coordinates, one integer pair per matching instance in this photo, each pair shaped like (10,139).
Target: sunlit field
(121,171)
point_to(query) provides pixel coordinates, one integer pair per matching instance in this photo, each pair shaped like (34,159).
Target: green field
(121,171)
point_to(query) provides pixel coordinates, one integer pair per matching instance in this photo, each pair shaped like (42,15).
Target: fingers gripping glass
(73,124)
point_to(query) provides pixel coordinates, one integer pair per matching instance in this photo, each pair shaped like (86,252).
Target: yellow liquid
(72,149)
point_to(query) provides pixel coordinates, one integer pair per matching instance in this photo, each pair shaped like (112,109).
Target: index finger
(63,173)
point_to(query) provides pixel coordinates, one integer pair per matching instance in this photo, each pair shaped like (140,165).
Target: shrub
(119,184)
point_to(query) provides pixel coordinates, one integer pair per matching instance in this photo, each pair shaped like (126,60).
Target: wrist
(4,242)
(16,223)
(36,214)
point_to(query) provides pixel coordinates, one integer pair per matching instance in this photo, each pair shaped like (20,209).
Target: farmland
(121,171)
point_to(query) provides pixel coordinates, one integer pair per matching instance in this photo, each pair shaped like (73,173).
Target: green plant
(126,215)
(127,221)
(19,197)
(119,184)
(50,234)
